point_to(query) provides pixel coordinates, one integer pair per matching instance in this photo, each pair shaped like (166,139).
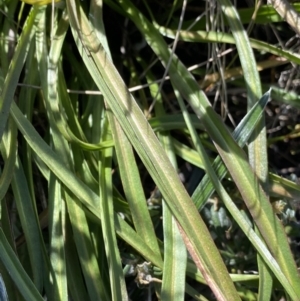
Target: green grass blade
(133,188)
(85,249)
(57,267)
(117,282)
(254,197)
(217,37)
(8,149)
(241,134)
(76,285)
(19,276)
(16,65)
(5,47)
(57,218)
(175,253)
(30,224)
(257,146)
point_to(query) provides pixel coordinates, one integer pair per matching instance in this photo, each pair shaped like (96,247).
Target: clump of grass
(128,173)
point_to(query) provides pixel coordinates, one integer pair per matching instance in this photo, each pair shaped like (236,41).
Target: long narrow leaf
(257,146)
(16,65)
(18,274)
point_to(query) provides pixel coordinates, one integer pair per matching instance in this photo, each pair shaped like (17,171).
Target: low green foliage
(92,207)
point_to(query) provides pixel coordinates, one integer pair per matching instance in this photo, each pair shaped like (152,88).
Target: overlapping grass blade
(241,134)
(234,158)
(143,139)
(129,172)
(257,146)
(69,166)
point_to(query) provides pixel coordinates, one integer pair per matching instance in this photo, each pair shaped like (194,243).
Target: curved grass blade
(58,282)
